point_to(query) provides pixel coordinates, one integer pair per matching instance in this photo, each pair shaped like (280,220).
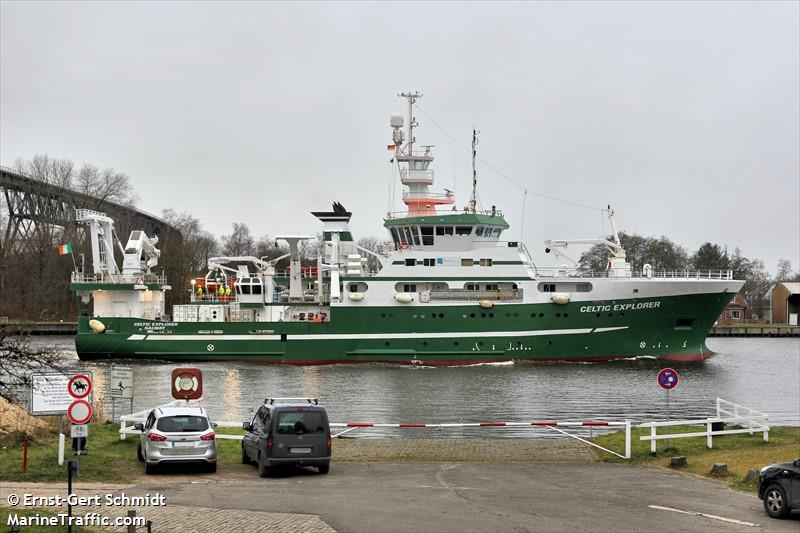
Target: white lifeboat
(560,298)
(403,298)
(356,296)
(486,304)
(97,326)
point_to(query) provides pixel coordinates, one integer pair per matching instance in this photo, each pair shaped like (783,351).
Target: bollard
(677,462)
(61,443)
(719,469)
(751,477)
(132,525)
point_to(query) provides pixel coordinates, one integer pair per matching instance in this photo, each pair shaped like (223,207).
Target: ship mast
(473,200)
(412,122)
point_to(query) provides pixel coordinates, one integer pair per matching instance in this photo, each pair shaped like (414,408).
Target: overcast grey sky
(684,116)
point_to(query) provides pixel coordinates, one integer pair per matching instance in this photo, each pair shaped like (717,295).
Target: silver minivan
(289,433)
(177,435)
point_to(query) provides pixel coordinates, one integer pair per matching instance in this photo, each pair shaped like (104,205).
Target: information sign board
(79,430)
(49,392)
(122,382)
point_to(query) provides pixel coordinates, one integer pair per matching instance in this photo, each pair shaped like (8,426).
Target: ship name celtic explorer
(452,291)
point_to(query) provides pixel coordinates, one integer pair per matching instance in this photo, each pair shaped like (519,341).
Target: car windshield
(301,422)
(182,423)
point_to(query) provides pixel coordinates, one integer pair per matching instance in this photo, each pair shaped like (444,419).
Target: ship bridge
(450,230)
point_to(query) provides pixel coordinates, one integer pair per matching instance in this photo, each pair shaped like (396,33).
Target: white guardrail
(749,420)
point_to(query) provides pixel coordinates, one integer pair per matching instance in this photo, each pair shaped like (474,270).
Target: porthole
(480,343)
(472,315)
(386,343)
(610,314)
(533,315)
(455,343)
(383,315)
(549,343)
(413,316)
(566,315)
(541,315)
(424,343)
(597,315)
(422,316)
(441,315)
(483,315)
(491,315)
(622,314)
(558,315)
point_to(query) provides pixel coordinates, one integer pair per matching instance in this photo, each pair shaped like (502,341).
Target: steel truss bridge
(34,213)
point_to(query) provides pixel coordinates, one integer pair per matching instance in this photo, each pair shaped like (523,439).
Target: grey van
(288,431)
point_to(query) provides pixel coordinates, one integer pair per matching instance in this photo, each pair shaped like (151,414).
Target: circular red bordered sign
(79,412)
(667,379)
(79,386)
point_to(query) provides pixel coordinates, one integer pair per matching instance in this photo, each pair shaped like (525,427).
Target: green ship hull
(670,327)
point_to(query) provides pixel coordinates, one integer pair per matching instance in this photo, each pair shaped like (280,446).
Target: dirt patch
(15,420)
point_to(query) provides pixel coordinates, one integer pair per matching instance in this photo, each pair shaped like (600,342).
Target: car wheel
(263,470)
(149,469)
(775,503)
(245,458)
(324,469)
(139,453)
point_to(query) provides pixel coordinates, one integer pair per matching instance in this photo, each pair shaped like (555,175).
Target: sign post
(667,380)
(80,410)
(121,387)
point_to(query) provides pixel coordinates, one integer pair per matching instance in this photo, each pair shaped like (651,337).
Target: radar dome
(397,120)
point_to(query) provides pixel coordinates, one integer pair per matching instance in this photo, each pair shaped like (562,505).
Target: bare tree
(106,185)
(239,242)
(18,358)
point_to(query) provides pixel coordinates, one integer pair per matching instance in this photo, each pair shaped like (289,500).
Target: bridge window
(497,232)
(463,230)
(410,262)
(479,231)
(467,262)
(429,261)
(583,287)
(471,287)
(406,287)
(486,262)
(547,287)
(491,287)
(415,235)
(427,235)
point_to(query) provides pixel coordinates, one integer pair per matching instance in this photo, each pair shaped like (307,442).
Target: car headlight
(765,469)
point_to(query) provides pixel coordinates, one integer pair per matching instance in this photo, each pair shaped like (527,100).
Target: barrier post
(627,439)
(121,429)
(61,439)
(653,440)
(709,436)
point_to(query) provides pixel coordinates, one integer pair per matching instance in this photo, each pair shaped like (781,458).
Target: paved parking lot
(463,497)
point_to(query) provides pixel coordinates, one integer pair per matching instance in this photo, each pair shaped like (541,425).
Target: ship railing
(422,195)
(404,214)
(103,277)
(464,294)
(655,274)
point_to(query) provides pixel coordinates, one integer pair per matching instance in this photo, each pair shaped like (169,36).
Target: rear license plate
(184,444)
(299,450)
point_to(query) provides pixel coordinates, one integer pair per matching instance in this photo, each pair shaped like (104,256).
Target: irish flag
(65,249)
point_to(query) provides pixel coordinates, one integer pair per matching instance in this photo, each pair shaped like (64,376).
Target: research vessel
(449,290)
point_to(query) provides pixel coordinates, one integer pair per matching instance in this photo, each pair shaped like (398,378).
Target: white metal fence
(749,421)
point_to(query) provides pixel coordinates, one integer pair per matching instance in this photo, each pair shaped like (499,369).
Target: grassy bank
(108,459)
(740,452)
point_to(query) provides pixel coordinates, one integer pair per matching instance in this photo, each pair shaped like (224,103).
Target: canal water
(761,373)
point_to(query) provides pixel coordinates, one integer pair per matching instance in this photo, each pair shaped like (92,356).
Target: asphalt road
(466,497)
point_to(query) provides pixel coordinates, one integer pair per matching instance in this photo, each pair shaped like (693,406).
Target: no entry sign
(667,379)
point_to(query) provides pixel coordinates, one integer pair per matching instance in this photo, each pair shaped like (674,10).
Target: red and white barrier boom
(551,424)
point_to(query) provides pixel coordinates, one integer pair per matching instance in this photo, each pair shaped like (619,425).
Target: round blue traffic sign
(667,379)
